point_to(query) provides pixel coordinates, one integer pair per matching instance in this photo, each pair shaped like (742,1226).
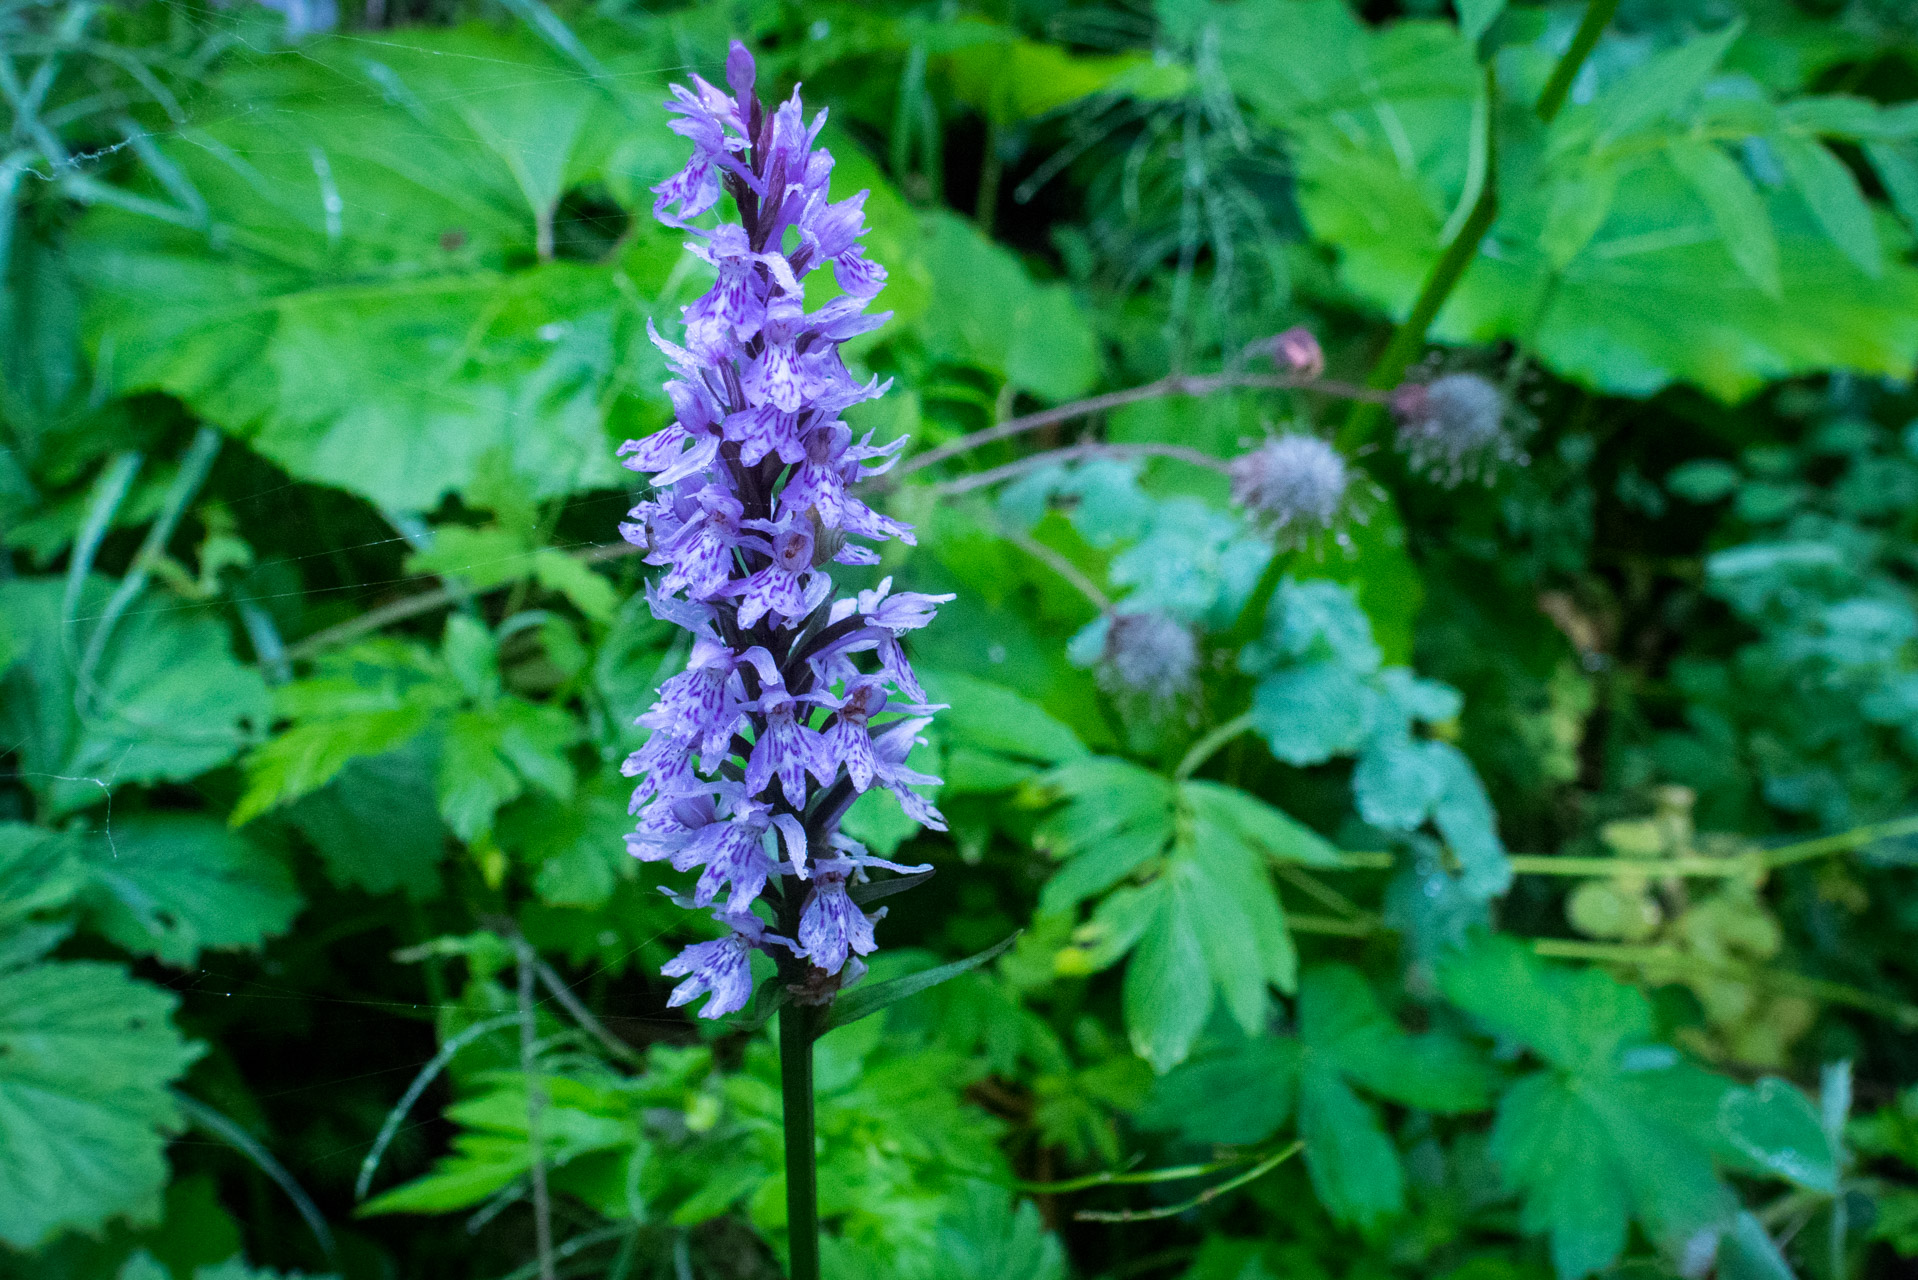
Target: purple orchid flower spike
(792,702)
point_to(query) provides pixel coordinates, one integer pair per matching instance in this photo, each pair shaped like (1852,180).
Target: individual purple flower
(722,967)
(792,702)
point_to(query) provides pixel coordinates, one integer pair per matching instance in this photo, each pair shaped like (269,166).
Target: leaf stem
(1757,862)
(1208,746)
(535,1109)
(1598,14)
(796,1034)
(1409,338)
(1257,1171)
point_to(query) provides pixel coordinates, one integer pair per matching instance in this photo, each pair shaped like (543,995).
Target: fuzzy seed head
(1149,654)
(1453,428)
(1295,483)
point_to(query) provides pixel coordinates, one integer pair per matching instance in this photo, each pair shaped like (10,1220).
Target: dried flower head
(1454,428)
(1150,655)
(1297,486)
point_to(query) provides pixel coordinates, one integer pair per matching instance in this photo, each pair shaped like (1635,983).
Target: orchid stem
(797,1030)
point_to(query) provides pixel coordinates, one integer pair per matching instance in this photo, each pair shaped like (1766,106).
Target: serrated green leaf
(168,701)
(375,823)
(1736,208)
(86,1055)
(1397,782)
(1354,1166)
(1167,995)
(1615,1128)
(1828,188)
(1256,824)
(1662,84)
(173,885)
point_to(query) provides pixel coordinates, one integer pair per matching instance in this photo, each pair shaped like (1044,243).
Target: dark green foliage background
(319,657)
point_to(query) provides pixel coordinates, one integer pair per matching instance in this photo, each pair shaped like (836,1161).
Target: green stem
(797,1027)
(1205,748)
(1597,15)
(1409,338)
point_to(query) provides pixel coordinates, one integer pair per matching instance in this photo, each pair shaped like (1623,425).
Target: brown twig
(424,602)
(1176,385)
(1091,449)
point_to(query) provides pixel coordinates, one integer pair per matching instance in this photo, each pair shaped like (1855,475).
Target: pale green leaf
(1167,995)
(1828,188)
(1736,207)
(1310,713)
(173,885)
(86,1055)
(168,702)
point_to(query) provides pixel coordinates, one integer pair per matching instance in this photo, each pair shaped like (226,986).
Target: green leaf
(1309,714)
(864,1001)
(1354,1166)
(1167,994)
(1736,207)
(40,870)
(373,213)
(1581,200)
(167,703)
(1747,1252)
(993,316)
(1777,1130)
(375,824)
(1614,1127)
(1239,1096)
(995,718)
(1660,85)
(1896,164)
(1254,823)
(984,1236)
(173,885)
(86,1054)
(1244,1093)
(1476,16)
(1828,188)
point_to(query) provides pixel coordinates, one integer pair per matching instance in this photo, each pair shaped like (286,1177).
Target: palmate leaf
(1346,1042)
(1617,1127)
(1204,923)
(86,1054)
(168,701)
(375,823)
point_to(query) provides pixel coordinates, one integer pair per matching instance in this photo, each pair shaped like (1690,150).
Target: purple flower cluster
(793,702)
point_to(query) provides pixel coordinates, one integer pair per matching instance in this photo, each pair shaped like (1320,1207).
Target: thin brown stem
(535,1109)
(1177,385)
(1056,562)
(1074,452)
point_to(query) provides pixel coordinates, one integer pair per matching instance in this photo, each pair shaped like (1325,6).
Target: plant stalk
(797,1029)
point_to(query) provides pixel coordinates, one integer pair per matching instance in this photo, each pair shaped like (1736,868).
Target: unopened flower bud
(1298,351)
